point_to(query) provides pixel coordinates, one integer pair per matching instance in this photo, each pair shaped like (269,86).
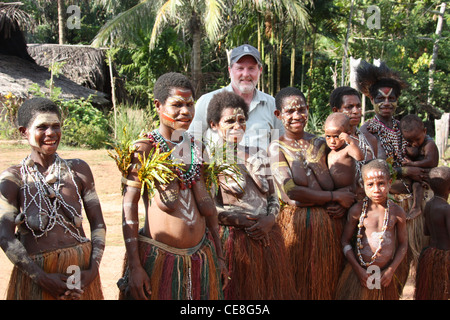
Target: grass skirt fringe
(312,241)
(257,272)
(350,288)
(178,274)
(433,275)
(21,287)
(416,237)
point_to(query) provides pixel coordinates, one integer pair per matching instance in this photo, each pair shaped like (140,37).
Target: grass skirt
(350,288)
(433,275)
(257,272)
(178,274)
(21,287)
(312,240)
(415,228)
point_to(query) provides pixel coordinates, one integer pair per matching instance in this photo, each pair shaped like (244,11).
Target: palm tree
(278,16)
(61,19)
(195,18)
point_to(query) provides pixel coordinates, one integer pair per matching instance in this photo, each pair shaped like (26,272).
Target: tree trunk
(294,37)
(344,58)
(279,58)
(113,90)
(196,54)
(435,54)
(61,24)
(261,78)
(311,64)
(272,58)
(302,80)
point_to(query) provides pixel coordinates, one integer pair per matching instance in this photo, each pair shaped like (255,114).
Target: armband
(131,183)
(346,249)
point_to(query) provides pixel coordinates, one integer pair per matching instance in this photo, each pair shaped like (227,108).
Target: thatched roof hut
(19,71)
(84,65)
(18,75)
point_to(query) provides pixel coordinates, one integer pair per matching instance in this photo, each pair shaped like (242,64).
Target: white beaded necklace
(48,199)
(359,236)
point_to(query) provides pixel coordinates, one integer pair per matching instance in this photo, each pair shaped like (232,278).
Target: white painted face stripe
(375,174)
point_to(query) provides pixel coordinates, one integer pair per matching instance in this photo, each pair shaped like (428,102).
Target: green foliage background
(404,40)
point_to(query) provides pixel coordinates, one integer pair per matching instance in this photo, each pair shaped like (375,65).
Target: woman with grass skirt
(248,207)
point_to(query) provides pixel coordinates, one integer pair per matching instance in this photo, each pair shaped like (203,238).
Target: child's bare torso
(373,234)
(342,169)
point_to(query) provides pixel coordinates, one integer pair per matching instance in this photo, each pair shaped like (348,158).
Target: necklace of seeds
(391,139)
(192,175)
(48,199)
(359,236)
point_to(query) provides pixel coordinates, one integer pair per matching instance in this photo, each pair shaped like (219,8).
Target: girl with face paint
(381,240)
(247,211)
(180,230)
(42,199)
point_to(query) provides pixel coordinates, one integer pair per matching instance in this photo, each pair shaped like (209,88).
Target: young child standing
(344,151)
(248,207)
(381,240)
(433,272)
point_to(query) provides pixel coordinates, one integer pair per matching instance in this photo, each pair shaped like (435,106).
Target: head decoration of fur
(370,78)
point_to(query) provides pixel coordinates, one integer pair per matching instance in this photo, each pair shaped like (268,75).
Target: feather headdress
(370,77)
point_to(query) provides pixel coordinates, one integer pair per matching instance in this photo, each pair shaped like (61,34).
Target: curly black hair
(31,107)
(222,100)
(411,122)
(170,80)
(439,179)
(338,93)
(287,92)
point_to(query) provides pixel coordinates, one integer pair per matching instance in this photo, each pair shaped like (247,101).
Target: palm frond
(158,167)
(122,152)
(12,17)
(118,29)
(165,13)
(218,167)
(297,12)
(212,21)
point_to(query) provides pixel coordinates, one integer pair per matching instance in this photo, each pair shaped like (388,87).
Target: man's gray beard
(246,89)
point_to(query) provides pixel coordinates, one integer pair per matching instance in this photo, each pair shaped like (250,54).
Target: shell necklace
(359,236)
(48,199)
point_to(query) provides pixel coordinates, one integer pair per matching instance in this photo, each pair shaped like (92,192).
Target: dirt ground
(107,180)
